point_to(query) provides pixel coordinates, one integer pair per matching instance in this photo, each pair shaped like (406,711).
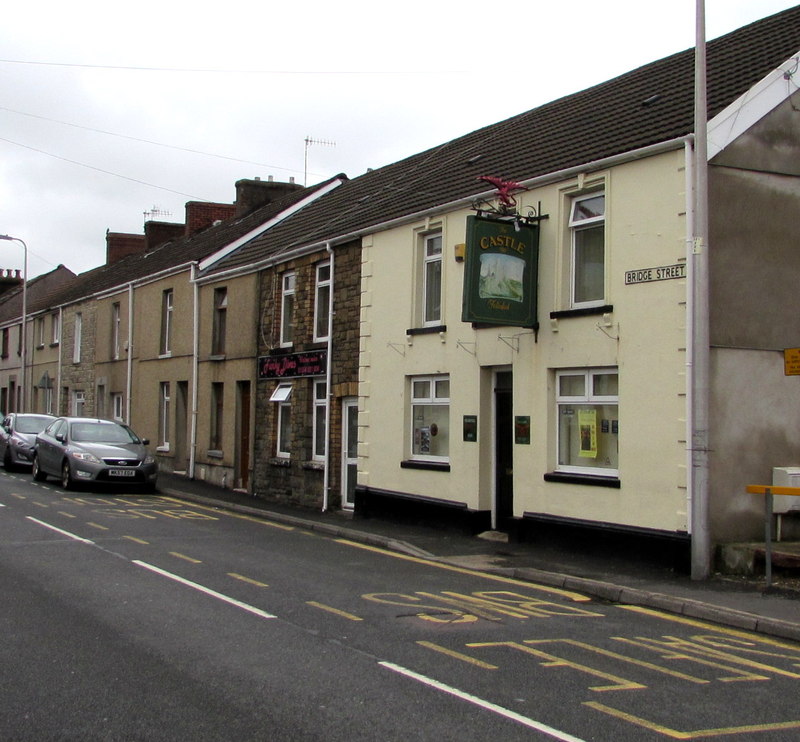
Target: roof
(647,106)
(41,291)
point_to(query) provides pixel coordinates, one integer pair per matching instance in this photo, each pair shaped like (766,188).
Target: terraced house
(497,331)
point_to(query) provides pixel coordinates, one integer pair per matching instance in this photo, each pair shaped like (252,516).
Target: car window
(100,433)
(32,424)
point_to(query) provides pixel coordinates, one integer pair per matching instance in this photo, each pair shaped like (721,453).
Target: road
(143,617)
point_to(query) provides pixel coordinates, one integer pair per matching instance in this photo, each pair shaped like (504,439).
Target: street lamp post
(23,348)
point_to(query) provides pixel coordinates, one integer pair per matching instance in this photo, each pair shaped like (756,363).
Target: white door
(349,451)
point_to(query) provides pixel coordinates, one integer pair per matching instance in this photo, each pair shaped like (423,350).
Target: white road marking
(508,714)
(206,590)
(59,530)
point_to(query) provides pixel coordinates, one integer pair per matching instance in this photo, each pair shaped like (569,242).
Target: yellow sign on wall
(791,362)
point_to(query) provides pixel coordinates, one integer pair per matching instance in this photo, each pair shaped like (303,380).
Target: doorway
(503,449)
(242,468)
(181,461)
(349,451)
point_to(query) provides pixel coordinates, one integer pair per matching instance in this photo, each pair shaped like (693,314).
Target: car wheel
(67,482)
(38,474)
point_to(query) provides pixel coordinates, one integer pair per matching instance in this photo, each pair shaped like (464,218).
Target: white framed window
(167,306)
(320,416)
(288,287)
(78,403)
(117,407)
(430,418)
(587,411)
(48,400)
(219,329)
(282,398)
(431,280)
(40,332)
(115,327)
(55,328)
(163,416)
(322,301)
(76,348)
(217,409)
(587,234)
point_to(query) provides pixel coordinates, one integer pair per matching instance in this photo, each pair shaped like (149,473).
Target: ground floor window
(117,406)
(163,416)
(430,418)
(320,416)
(79,403)
(282,398)
(587,402)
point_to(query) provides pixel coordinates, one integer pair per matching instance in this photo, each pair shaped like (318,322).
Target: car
(87,450)
(17,437)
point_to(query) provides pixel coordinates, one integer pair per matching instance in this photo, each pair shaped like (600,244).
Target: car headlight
(149,459)
(88,457)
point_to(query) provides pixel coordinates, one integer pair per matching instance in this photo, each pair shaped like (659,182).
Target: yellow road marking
(178,555)
(695,734)
(137,540)
(67,515)
(230,514)
(336,611)
(577,597)
(97,525)
(457,655)
(249,580)
(18,496)
(40,504)
(712,627)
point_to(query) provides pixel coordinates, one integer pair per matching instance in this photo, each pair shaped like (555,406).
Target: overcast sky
(109,110)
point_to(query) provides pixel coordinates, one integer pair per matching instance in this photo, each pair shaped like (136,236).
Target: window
(115,325)
(322,301)
(40,332)
(166,323)
(281,396)
(4,349)
(163,416)
(100,398)
(217,398)
(117,408)
(78,403)
(47,405)
(320,417)
(55,328)
(587,405)
(220,315)
(432,280)
(430,418)
(287,308)
(76,347)
(587,227)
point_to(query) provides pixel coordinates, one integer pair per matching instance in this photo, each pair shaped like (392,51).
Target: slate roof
(41,292)
(647,106)
(176,252)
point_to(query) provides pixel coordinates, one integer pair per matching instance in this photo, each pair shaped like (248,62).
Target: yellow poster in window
(587,425)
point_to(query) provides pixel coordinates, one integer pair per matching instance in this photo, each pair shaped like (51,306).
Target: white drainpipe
(195,367)
(326,482)
(129,371)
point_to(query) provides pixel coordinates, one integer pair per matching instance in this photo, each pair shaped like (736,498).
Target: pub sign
(289,365)
(501,272)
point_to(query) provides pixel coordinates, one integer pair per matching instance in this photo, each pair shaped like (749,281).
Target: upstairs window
(76,348)
(432,280)
(166,323)
(220,319)
(322,301)
(587,228)
(55,328)
(287,308)
(115,327)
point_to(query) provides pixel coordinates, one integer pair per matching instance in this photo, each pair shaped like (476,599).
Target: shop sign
(661,273)
(310,363)
(501,272)
(791,362)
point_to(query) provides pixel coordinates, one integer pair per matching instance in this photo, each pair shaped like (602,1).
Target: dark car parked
(81,449)
(18,435)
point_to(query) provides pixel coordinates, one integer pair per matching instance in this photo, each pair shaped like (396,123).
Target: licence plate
(121,473)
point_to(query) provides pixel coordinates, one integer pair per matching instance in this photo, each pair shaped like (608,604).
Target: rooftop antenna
(154,212)
(309,141)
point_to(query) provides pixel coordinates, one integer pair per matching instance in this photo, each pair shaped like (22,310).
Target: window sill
(589,479)
(162,449)
(583,312)
(217,357)
(285,462)
(426,330)
(214,454)
(428,465)
(314,465)
(165,355)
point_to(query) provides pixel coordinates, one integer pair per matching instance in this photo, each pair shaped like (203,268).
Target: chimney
(251,194)
(119,245)
(157,233)
(201,215)
(9,281)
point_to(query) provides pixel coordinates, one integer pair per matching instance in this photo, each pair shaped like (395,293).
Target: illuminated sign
(310,363)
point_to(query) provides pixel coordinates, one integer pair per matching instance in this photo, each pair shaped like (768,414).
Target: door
(242,471)
(349,451)
(503,449)
(181,427)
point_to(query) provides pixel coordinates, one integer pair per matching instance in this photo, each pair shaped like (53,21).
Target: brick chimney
(119,245)
(9,280)
(157,233)
(201,215)
(251,194)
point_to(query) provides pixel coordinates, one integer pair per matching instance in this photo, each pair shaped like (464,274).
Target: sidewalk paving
(735,602)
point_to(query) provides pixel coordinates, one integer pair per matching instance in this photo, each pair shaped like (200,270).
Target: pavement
(736,602)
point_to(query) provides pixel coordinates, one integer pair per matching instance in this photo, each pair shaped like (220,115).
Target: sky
(113,113)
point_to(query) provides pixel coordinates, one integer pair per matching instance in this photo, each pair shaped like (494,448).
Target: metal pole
(768,536)
(701,541)
(23,343)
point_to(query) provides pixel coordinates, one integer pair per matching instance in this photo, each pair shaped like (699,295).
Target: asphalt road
(136,617)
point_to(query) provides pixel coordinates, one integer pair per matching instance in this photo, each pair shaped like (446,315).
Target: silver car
(81,449)
(17,436)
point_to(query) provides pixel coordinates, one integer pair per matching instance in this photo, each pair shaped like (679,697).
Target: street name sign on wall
(289,365)
(660,273)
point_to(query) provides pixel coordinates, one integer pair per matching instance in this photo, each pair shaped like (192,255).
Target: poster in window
(587,425)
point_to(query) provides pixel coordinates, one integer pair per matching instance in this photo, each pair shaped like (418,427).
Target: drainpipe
(195,367)
(689,383)
(129,381)
(326,482)
(60,346)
